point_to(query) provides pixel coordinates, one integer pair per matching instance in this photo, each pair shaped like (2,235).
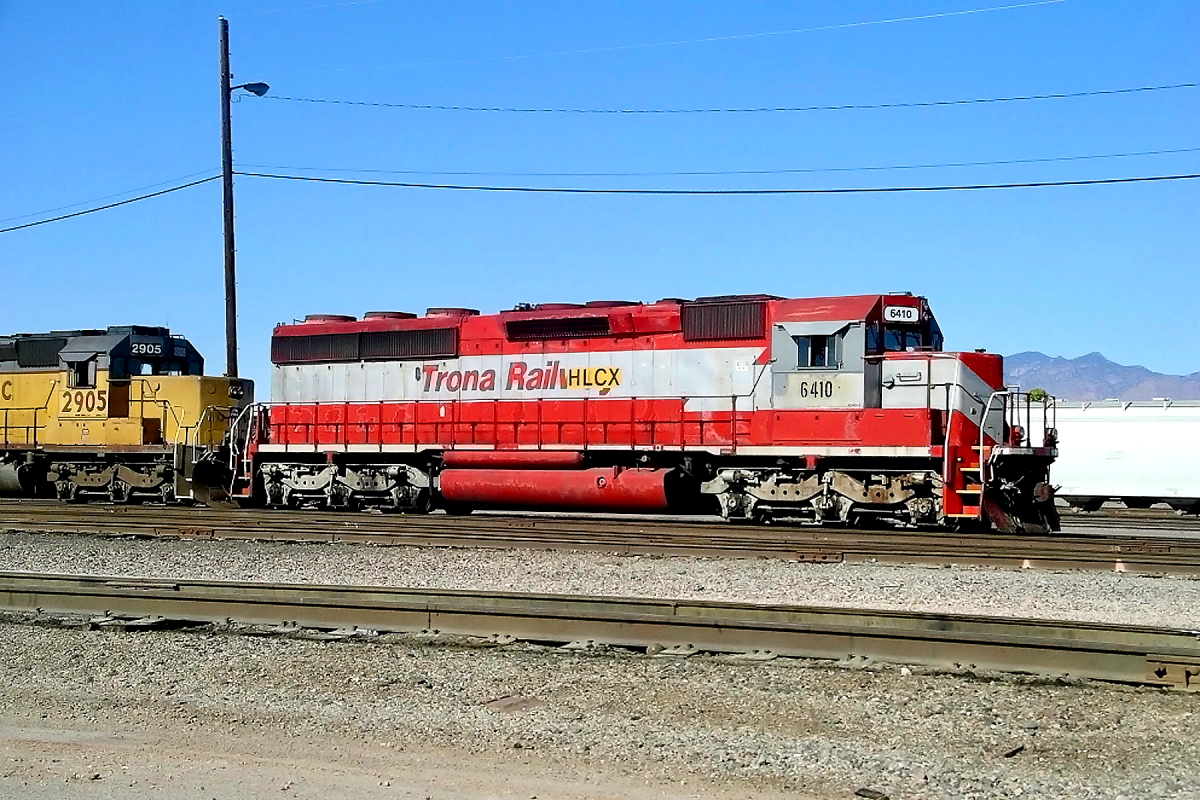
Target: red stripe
(595,423)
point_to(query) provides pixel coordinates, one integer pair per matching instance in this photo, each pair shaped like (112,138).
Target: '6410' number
(820,389)
(82,401)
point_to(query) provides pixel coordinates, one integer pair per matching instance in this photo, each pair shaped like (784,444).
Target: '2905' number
(81,401)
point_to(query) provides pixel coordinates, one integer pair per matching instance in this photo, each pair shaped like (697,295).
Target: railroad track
(1141,655)
(1143,554)
(1133,518)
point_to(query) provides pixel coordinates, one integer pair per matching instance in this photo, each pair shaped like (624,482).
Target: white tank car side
(1138,452)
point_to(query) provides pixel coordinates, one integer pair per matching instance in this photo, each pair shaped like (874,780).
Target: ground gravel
(1122,598)
(554,724)
(94,714)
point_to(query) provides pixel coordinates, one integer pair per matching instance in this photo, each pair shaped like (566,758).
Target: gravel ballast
(1121,598)
(571,722)
(94,714)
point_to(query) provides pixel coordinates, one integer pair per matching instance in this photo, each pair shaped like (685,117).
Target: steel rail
(1147,554)
(1149,518)
(1142,655)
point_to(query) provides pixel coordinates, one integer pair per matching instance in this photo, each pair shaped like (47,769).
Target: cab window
(81,374)
(935,335)
(816,351)
(900,339)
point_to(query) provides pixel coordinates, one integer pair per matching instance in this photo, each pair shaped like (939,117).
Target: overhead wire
(727,192)
(110,205)
(702,40)
(624,191)
(106,197)
(745,110)
(717,173)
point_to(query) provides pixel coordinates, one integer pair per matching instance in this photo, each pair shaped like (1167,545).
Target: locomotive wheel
(423,504)
(67,492)
(974,527)
(118,491)
(762,515)
(456,509)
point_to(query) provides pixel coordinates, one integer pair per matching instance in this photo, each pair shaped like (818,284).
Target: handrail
(29,432)
(983,432)
(203,418)
(1048,407)
(728,427)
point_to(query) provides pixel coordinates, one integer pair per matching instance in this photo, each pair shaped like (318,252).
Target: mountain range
(1094,377)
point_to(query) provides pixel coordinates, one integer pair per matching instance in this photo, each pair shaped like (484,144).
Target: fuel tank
(600,489)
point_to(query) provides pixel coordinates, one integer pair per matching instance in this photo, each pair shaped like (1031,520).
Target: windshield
(898,337)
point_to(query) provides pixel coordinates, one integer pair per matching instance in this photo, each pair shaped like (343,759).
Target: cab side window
(81,374)
(816,352)
(874,339)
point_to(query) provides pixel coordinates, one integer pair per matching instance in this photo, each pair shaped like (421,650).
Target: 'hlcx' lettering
(602,378)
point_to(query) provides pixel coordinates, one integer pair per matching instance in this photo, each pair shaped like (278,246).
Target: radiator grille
(325,347)
(370,346)
(556,328)
(39,352)
(713,321)
(430,343)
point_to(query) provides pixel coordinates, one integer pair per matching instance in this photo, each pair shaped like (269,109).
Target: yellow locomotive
(123,414)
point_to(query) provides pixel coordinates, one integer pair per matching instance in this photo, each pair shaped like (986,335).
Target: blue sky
(104,98)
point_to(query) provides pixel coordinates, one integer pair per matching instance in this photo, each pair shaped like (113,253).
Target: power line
(715,173)
(748,110)
(111,205)
(846,190)
(577,190)
(105,197)
(704,40)
(839,26)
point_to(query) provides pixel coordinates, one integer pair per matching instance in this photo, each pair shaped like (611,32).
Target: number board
(148,349)
(905,314)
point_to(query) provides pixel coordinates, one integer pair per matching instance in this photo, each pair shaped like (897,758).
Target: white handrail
(983,435)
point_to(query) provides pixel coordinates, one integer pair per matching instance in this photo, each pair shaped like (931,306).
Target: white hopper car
(1140,453)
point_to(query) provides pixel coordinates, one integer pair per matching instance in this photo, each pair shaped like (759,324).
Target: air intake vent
(556,328)
(429,343)
(326,347)
(370,346)
(715,321)
(39,352)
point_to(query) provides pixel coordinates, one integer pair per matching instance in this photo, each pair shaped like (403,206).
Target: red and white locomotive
(832,409)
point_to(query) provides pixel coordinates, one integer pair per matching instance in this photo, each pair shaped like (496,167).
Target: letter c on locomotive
(6,390)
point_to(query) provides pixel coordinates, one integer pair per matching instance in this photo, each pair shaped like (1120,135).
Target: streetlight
(257,89)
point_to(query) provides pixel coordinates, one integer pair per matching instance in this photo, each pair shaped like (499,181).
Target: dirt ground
(101,715)
(109,758)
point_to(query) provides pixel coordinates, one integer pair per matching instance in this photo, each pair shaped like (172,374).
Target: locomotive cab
(891,428)
(839,362)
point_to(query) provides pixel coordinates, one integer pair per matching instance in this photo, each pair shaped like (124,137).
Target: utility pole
(258,90)
(231,355)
